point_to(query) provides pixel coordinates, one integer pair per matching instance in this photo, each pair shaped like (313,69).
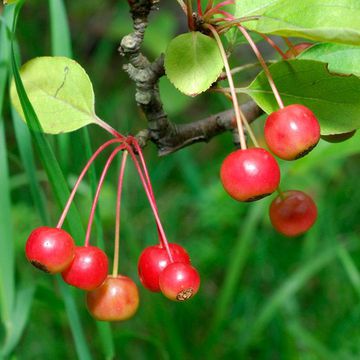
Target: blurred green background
(263,296)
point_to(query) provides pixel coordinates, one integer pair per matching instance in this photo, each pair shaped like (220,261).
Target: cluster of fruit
(290,133)
(251,174)
(162,268)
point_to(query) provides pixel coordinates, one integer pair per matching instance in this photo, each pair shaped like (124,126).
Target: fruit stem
(117,217)
(245,121)
(264,66)
(147,178)
(281,193)
(235,22)
(291,46)
(231,85)
(272,43)
(108,128)
(199,9)
(182,4)
(96,197)
(190,18)
(81,176)
(215,9)
(151,200)
(209,6)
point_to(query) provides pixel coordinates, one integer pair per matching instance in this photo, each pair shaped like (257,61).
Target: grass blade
(350,268)
(293,283)
(60,32)
(7,284)
(24,299)
(23,140)
(235,266)
(61,46)
(61,192)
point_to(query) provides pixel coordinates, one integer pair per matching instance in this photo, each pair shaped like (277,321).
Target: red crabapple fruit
(117,299)
(89,268)
(179,281)
(249,175)
(292,132)
(294,214)
(50,249)
(154,259)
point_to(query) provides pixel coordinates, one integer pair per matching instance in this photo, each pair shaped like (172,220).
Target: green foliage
(325,20)
(193,62)
(334,99)
(60,92)
(342,59)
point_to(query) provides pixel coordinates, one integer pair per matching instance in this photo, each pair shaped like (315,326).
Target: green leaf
(325,20)
(60,92)
(193,62)
(342,59)
(334,99)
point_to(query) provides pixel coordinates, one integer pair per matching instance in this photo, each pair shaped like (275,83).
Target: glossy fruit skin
(292,132)
(337,138)
(154,259)
(297,50)
(89,268)
(249,175)
(117,299)
(179,281)
(50,249)
(293,215)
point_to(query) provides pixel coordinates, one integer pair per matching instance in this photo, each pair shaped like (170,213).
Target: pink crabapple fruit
(249,175)
(154,259)
(117,299)
(337,138)
(292,132)
(294,214)
(89,268)
(179,281)
(50,249)
(297,49)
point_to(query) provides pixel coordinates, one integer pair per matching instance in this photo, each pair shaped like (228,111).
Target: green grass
(262,296)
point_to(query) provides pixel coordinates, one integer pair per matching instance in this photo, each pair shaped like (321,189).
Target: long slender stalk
(182,5)
(151,201)
(117,216)
(246,123)
(231,85)
(80,178)
(272,43)
(96,197)
(147,178)
(264,65)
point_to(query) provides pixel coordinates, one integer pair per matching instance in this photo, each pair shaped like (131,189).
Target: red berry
(50,249)
(179,281)
(116,299)
(336,138)
(154,259)
(294,214)
(250,174)
(297,49)
(89,268)
(292,132)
